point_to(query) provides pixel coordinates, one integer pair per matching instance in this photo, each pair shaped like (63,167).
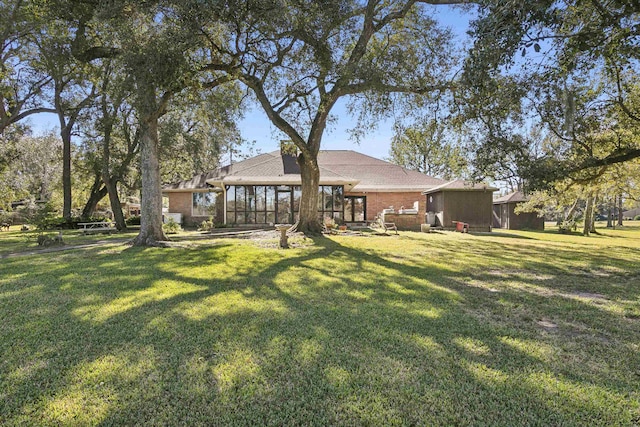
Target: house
(462,201)
(631,213)
(265,189)
(504,215)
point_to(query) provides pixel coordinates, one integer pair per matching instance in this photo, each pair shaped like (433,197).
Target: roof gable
(515,197)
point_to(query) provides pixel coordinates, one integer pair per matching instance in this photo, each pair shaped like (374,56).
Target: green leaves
(429,148)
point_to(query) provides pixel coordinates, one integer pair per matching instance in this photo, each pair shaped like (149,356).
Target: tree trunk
(151,201)
(620,216)
(588,212)
(610,208)
(65,134)
(114,200)
(594,207)
(98,191)
(110,182)
(308,221)
(569,215)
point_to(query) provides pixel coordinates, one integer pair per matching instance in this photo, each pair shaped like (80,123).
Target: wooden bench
(96,227)
(462,227)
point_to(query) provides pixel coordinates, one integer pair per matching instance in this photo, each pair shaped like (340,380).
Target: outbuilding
(505,217)
(460,201)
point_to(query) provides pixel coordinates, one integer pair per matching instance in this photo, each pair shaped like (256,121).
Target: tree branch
(256,85)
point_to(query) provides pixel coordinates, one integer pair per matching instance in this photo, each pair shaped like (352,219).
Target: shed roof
(460,185)
(515,197)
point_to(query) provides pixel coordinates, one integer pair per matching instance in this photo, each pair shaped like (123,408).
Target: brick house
(265,189)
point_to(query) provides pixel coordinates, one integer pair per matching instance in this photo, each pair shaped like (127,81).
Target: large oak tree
(149,41)
(299,59)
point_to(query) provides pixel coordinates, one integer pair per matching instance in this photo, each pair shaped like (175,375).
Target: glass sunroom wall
(270,204)
(261,204)
(297,194)
(250,209)
(338,203)
(327,194)
(231,205)
(270,199)
(331,202)
(284,212)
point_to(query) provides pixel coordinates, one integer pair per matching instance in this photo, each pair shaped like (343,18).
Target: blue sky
(257,127)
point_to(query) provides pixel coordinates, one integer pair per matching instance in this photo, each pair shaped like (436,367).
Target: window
(331,202)
(240,193)
(284,205)
(204,204)
(231,200)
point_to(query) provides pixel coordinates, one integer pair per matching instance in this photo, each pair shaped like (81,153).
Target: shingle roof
(631,213)
(515,197)
(357,171)
(460,185)
(375,174)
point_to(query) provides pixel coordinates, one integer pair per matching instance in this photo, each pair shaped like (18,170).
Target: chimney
(289,154)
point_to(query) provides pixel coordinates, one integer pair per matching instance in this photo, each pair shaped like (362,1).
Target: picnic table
(97,227)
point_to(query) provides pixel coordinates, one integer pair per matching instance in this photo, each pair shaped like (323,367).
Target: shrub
(207,225)
(567,226)
(6,217)
(133,220)
(44,217)
(636,218)
(171,226)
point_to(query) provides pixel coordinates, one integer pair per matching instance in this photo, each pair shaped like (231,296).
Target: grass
(16,241)
(517,328)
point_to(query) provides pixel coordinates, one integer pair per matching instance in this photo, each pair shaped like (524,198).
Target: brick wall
(410,222)
(376,202)
(181,203)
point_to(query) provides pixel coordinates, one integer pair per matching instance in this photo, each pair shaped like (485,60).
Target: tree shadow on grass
(504,234)
(333,334)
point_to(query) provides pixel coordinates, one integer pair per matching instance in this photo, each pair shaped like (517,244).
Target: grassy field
(517,328)
(16,241)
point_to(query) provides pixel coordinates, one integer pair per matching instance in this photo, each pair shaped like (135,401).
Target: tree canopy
(569,68)
(429,149)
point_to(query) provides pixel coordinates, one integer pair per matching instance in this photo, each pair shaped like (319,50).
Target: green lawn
(517,328)
(16,241)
